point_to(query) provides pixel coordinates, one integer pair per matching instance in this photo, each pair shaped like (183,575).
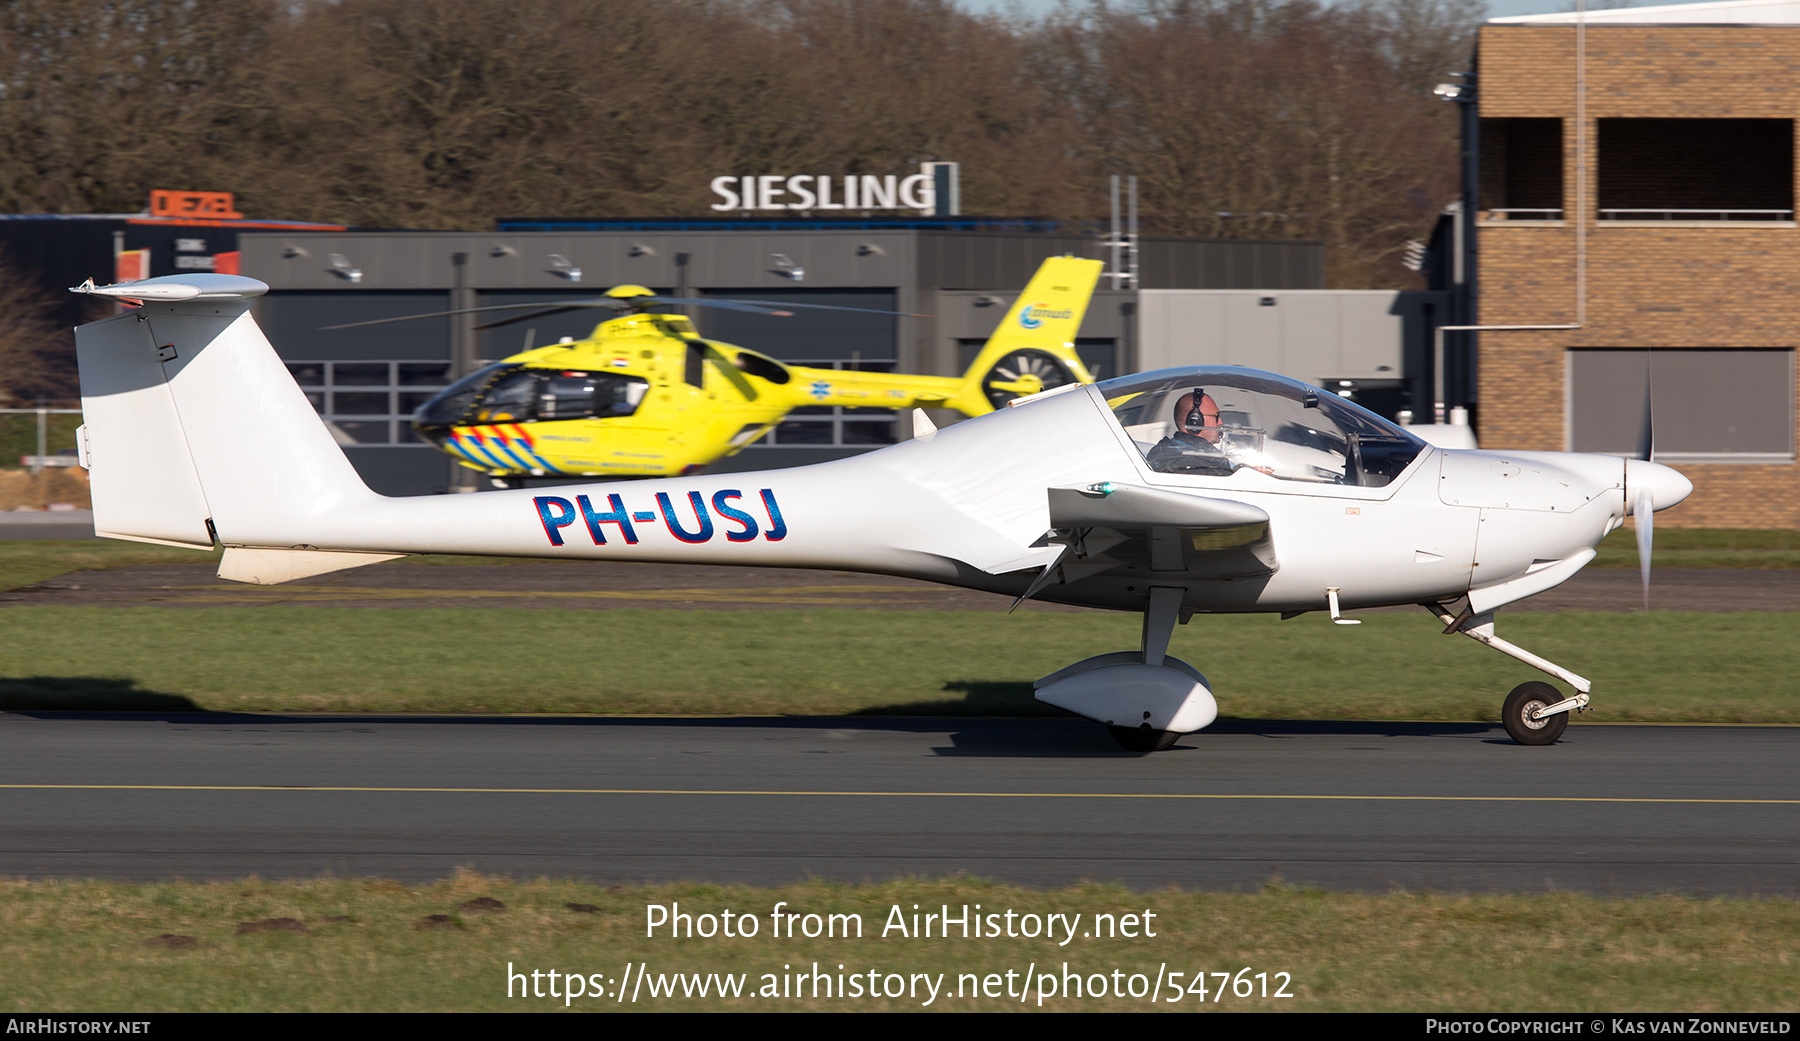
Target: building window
(1696,169)
(298,324)
(1522,169)
(1733,406)
(370,402)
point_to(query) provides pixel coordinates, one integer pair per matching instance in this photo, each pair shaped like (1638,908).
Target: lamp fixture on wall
(561,268)
(786,268)
(342,268)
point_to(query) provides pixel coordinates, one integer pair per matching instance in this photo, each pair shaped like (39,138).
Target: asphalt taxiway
(1350,806)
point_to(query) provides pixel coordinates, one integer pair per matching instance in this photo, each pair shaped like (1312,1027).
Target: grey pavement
(1350,806)
(46,524)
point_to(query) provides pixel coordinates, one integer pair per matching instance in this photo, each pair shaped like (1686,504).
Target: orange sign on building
(212,205)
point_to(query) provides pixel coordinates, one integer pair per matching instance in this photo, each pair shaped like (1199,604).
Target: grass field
(1659,666)
(1704,547)
(1664,666)
(27,562)
(371,945)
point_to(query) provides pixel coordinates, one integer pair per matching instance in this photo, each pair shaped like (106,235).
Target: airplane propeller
(1644,507)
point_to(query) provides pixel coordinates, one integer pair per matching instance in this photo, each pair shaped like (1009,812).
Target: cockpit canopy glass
(515,394)
(1213,422)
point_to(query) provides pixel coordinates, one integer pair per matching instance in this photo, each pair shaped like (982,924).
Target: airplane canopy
(1215,421)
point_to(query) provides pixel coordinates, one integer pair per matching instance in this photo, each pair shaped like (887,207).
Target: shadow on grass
(86,694)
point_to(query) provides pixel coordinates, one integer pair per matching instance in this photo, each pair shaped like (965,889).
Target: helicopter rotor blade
(549,307)
(601,301)
(544,312)
(752,306)
(770,308)
(642,301)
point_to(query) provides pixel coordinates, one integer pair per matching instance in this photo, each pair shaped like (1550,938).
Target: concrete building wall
(1347,339)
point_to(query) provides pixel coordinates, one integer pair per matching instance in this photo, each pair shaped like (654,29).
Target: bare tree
(37,352)
(1263,118)
(1248,118)
(100,100)
(1427,40)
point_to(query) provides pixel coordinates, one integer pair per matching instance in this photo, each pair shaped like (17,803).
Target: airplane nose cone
(1665,485)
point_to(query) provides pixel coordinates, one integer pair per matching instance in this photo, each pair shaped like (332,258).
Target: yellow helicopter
(646,396)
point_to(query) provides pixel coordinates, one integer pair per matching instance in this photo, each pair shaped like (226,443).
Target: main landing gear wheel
(1516,714)
(1143,739)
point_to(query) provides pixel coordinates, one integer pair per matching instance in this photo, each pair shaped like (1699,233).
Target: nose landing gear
(1534,713)
(1524,718)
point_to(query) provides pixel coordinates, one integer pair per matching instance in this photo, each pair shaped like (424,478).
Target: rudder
(192,417)
(140,473)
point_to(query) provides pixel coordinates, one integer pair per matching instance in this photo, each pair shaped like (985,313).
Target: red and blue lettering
(705,532)
(777,526)
(553,524)
(735,515)
(617,516)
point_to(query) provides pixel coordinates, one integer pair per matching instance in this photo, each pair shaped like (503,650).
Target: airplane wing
(1176,535)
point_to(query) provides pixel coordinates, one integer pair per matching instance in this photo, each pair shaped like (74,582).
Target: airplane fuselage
(963,507)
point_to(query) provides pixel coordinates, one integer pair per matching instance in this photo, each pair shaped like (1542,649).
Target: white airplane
(1171,493)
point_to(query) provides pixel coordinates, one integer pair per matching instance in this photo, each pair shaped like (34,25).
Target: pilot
(1194,447)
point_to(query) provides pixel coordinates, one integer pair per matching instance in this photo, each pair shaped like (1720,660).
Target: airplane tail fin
(194,431)
(1034,347)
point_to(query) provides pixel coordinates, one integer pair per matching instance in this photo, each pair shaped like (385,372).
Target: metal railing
(1517,213)
(43,429)
(1697,215)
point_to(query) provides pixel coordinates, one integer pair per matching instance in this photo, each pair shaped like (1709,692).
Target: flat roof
(1729,12)
(1034,225)
(177,222)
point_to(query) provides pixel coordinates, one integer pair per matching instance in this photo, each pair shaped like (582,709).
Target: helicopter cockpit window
(510,399)
(451,404)
(1215,422)
(513,394)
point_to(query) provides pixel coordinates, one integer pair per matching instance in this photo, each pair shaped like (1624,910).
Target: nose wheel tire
(1515,715)
(1143,739)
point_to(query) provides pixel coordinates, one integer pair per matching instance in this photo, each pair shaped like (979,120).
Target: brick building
(1636,182)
